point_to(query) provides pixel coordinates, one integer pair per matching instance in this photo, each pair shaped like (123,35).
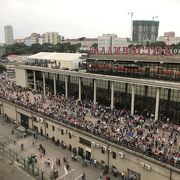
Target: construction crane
(131,14)
(154,36)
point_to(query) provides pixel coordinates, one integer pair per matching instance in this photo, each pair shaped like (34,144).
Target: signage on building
(143,50)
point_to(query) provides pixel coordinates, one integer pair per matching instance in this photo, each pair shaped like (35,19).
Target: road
(9,170)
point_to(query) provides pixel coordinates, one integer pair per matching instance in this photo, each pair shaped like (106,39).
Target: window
(35,119)
(102,150)
(62,132)
(46,125)
(85,142)
(70,136)
(114,155)
(53,128)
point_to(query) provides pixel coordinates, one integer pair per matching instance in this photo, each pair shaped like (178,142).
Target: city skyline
(76,19)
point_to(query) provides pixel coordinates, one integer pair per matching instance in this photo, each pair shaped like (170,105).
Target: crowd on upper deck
(137,132)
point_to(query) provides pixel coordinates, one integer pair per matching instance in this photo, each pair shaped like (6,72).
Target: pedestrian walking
(83,176)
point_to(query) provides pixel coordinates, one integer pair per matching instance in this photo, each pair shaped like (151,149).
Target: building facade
(169,34)
(29,41)
(145,31)
(94,147)
(8,32)
(111,40)
(169,38)
(52,38)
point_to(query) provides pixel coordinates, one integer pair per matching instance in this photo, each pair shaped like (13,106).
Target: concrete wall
(130,160)
(21,77)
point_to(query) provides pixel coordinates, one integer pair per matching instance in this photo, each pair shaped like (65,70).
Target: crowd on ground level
(115,125)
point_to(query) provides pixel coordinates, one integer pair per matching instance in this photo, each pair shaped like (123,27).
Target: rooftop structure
(57,60)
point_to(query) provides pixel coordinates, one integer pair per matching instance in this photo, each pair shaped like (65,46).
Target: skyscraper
(8,32)
(145,31)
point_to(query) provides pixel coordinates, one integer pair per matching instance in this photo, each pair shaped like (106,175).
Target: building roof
(55,56)
(143,58)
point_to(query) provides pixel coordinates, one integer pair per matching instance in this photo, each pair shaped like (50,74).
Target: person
(95,162)
(123,175)
(59,162)
(14,141)
(72,157)
(83,176)
(22,147)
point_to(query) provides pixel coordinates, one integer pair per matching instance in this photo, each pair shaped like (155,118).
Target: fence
(23,162)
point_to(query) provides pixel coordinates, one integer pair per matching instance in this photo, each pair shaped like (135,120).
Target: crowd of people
(137,132)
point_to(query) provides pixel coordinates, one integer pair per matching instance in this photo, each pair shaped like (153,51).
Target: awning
(21,128)
(31,131)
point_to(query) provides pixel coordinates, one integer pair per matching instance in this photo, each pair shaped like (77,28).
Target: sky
(85,18)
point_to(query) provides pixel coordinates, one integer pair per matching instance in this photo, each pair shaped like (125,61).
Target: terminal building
(144,85)
(141,84)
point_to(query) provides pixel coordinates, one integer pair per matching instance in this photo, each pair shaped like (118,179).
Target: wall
(129,160)
(21,77)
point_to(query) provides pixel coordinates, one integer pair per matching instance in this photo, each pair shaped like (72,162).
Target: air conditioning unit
(121,155)
(109,150)
(93,143)
(105,148)
(97,145)
(142,164)
(65,130)
(148,167)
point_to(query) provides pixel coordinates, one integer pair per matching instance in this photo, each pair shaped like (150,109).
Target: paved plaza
(52,152)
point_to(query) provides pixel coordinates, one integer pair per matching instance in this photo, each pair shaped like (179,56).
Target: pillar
(34,76)
(55,84)
(79,88)
(44,83)
(66,86)
(112,95)
(132,98)
(157,104)
(94,92)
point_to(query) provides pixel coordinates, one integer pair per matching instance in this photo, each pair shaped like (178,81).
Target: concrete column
(94,92)
(44,83)
(79,88)
(55,84)
(157,103)
(34,76)
(66,86)
(112,95)
(132,98)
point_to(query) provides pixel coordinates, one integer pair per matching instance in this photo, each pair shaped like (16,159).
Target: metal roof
(140,58)
(55,56)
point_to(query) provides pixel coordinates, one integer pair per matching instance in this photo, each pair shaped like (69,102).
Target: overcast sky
(89,18)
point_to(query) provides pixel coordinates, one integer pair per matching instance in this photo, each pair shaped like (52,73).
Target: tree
(95,45)
(2,68)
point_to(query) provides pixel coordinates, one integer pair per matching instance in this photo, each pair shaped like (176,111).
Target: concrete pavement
(52,152)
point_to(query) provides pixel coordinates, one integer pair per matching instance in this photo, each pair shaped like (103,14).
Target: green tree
(2,68)
(95,45)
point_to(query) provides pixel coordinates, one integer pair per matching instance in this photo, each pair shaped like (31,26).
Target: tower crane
(131,15)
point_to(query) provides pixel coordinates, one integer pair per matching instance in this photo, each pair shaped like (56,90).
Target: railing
(23,162)
(165,159)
